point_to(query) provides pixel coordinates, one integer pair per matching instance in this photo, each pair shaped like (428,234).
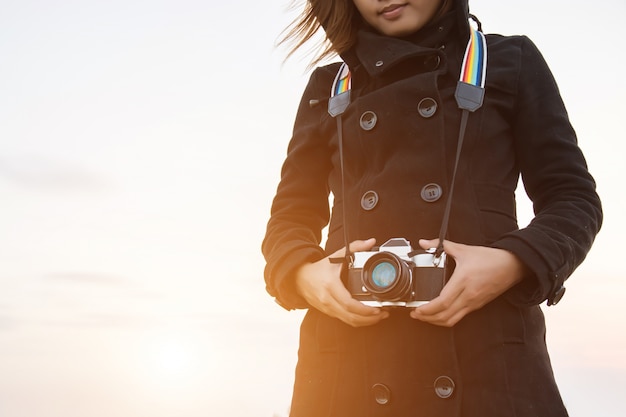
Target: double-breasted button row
(443,385)
(429,193)
(427,107)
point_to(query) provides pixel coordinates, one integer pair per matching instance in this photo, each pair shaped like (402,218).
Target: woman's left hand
(481,274)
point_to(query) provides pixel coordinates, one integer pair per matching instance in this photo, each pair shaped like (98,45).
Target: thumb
(429,243)
(361,245)
(451,248)
(355,246)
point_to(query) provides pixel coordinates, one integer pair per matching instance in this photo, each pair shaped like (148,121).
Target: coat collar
(377,53)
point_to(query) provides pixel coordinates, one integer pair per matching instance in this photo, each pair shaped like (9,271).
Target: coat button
(369,200)
(368,120)
(382,393)
(431,192)
(427,107)
(444,387)
(557,296)
(432,62)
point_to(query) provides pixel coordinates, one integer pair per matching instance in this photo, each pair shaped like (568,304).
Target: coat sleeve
(300,209)
(568,213)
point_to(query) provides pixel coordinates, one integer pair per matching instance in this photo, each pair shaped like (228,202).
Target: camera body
(397,275)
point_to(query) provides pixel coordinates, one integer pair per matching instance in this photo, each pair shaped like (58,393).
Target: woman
(478,349)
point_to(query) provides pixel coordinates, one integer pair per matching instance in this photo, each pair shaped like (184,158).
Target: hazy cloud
(85,278)
(45,173)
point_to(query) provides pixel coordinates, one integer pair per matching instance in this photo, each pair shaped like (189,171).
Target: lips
(392,11)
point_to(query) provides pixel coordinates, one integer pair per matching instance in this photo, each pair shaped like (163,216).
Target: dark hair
(340,21)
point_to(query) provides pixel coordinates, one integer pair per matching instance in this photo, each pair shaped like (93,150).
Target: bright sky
(140,147)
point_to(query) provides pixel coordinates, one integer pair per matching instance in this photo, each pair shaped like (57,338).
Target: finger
(436,306)
(358,314)
(446,309)
(360,321)
(364,313)
(361,245)
(355,246)
(447,318)
(429,243)
(449,301)
(357,307)
(343,306)
(344,298)
(449,247)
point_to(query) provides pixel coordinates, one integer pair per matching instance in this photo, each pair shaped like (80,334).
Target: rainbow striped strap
(474,66)
(343,81)
(340,92)
(470,90)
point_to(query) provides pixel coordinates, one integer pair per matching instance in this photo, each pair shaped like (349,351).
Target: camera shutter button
(382,394)
(369,200)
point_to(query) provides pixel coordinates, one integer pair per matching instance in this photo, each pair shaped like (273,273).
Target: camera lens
(384,274)
(387,277)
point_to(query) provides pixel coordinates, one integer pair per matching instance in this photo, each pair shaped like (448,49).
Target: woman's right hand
(320,284)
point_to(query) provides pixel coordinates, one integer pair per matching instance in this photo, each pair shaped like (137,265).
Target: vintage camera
(397,275)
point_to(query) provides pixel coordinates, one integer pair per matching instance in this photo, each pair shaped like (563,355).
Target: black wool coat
(400,133)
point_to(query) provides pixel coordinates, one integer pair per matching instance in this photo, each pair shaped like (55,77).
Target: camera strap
(469,95)
(337,104)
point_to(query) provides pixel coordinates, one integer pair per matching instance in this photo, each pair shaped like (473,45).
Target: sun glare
(172,358)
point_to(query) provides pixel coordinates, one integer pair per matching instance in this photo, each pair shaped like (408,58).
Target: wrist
(301,277)
(519,269)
